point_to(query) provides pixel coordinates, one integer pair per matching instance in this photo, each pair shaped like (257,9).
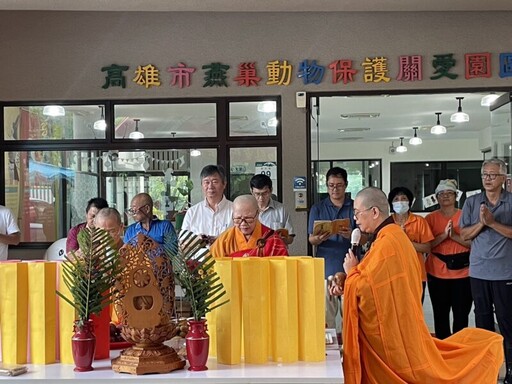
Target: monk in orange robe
(248,237)
(385,338)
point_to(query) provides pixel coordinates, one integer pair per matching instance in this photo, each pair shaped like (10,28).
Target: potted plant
(193,267)
(180,189)
(89,274)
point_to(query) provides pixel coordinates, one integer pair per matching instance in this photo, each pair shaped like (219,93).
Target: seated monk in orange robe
(385,337)
(248,237)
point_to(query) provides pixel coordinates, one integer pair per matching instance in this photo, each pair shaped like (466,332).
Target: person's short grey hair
(211,170)
(498,162)
(246,200)
(106,213)
(374,197)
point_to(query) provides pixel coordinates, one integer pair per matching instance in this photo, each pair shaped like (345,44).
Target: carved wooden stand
(145,304)
(139,361)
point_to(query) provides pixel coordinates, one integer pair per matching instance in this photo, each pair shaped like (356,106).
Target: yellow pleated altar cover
(14,311)
(42,311)
(276,310)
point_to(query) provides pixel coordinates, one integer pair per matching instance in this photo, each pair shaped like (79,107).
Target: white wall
(58,56)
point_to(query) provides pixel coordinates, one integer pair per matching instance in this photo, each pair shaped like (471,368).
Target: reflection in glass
(48,191)
(361,174)
(253,118)
(30,123)
(245,163)
(166,120)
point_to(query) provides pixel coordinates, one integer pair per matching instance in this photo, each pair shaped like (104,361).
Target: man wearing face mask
(416,227)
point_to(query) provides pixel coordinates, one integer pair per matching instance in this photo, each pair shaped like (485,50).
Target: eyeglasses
(336,186)
(134,211)
(491,176)
(258,195)
(248,220)
(446,194)
(214,182)
(357,213)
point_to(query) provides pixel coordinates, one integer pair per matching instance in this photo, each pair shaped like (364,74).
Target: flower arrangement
(90,273)
(193,267)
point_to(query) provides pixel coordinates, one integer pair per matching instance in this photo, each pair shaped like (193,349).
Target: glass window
(253,118)
(360,173)
(48,191)
(245,163)
(422,178)
(170,176)
(165,120)
(59,123)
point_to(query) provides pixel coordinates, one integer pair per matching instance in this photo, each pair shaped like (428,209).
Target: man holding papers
(332,246)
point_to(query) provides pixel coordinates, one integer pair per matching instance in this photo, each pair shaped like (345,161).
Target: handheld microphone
(355,238)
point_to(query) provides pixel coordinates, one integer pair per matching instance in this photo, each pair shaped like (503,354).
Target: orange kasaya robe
(385,338)
(232,243)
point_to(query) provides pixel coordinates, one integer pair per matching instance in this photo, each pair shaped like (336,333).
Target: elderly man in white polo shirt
(272,213)
(212,216)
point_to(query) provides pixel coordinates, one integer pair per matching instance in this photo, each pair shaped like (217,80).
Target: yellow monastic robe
(232,243)
(385,338)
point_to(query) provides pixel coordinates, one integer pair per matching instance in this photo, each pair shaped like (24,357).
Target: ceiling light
(487,100)
(438,129)
(459,116)
(267,106)
(136,134)
(362,129)
(371,115)
(272,122)
(53,110)
(401,148)
(101,124)
(195,152)
(415,140)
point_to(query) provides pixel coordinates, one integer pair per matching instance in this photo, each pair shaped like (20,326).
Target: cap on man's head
(447,185)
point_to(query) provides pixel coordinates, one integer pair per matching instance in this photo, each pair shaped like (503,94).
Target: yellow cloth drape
(226,325)
(14,311)
(66,320)
(311,295)
(268,296)
(255,308)
(42,281)
(284,325)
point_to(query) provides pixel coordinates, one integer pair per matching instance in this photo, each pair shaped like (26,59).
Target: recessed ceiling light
(345,130)
(369,115)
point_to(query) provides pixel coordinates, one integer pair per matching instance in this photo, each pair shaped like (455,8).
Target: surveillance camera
(392,150)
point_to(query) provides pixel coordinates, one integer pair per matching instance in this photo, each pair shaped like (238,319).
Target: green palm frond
(193,267)
(90,273)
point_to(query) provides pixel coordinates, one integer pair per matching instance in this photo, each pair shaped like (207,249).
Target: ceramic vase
(197,343)
(83,346)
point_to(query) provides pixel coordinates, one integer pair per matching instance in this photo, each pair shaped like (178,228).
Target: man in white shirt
(212,216)
(272,213)
(9,231)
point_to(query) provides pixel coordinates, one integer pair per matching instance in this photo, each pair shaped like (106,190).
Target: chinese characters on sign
(281,72)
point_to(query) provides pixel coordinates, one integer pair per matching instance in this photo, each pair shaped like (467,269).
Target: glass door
(501,129)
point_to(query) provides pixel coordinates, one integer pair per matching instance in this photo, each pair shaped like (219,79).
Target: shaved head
(245,201)
(374,197)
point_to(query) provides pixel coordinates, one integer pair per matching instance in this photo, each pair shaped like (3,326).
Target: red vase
(197,342)
(83,345)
